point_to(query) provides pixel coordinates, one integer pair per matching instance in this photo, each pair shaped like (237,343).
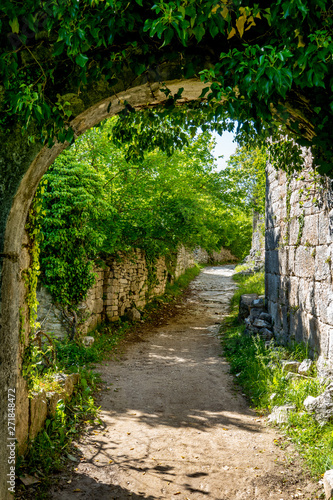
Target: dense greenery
(259,373)
(266,64)
(96,204)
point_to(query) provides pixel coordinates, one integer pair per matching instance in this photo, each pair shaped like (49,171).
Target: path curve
(174,424)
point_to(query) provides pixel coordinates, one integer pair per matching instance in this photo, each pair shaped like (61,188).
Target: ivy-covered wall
(299,252)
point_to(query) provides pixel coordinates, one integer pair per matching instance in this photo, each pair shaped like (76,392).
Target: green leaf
(14,24)
(81,60)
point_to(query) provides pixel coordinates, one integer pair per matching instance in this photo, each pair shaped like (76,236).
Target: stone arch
(14,262)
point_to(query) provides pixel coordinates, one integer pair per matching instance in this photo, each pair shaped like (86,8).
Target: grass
(259,373)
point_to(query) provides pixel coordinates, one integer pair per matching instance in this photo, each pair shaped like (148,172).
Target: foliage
(259,373)
(33,228)
(96,203)
(74,195)
(265,64)
(245,178)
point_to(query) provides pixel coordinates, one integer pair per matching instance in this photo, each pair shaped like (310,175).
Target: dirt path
(175,427)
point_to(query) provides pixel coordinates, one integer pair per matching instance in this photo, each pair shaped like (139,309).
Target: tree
(244,178)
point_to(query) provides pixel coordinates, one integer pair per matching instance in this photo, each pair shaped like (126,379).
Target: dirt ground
(174,424)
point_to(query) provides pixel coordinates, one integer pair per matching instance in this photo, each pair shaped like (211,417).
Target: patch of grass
(258,371)
(244,267)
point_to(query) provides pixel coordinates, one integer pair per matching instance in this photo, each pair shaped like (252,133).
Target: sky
(224,147)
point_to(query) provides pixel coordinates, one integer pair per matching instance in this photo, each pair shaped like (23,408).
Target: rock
(328,484)
(260,323)
(290,366)
(321,406)
(88,341)
(29,480)
(266,334)
(258,302)
(133,314)
(255,313)
(266,317)
(244,305)
(324,369)
(305,367)
(279,414)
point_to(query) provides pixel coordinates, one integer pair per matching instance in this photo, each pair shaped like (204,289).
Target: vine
(30,275)
(34,356)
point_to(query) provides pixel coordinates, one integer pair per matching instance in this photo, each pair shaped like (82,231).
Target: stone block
(38,413)
(310,231)
(98,306)
(272,238)
(88,341)
(133,314)
(293,230)
(272,287)
(304,262)
(323,229)
(260,323)
(272,264)
(322,263)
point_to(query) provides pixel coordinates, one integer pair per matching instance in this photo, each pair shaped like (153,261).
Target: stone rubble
(252,312)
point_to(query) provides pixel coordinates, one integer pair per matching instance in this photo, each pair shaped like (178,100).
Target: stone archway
(14,261)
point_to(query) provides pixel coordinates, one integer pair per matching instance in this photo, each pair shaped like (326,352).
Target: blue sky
(224,147)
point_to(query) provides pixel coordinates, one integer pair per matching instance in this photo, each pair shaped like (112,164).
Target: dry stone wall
(124,283)
(299,252)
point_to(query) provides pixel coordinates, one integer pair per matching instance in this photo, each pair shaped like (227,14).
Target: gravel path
(175,426)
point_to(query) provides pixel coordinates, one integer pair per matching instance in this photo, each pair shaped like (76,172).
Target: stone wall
(299,237)
(124,283)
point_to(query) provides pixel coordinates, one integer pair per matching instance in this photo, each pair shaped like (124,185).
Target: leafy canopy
(266,64)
